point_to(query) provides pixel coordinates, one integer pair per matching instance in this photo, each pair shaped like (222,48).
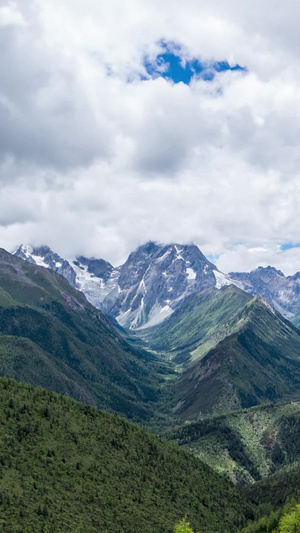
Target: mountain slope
(234,350)
(246,445)
(202,320)
(279,488)
(68,467)
(258,362)
(51,335)
(156,278)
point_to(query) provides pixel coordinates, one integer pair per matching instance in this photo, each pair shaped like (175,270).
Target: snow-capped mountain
(282,292)
(145,289)
(156,278)
(96,278)
(43,256)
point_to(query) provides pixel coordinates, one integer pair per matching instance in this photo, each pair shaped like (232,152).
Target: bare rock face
(43,256)
(282,292)
(156,278)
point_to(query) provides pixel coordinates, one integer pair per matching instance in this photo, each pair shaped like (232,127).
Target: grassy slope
(203,320)
(67,467)
(246,445)
(258,363)
(50,335)
(235,351)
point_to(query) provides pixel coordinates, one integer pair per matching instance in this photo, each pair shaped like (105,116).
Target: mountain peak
(45,257)
(269,270)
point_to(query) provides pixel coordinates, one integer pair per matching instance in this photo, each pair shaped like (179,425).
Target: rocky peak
(45,257)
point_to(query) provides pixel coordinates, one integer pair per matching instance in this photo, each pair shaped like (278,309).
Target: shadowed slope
(51,335)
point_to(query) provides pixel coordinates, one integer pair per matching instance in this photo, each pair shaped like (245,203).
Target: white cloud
(92,163)
(11,16)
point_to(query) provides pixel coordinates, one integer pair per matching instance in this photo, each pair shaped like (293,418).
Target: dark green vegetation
(221,351)
(274,491)
(247,445)
(51,336)
(69,467)
(236,351)
(285,519)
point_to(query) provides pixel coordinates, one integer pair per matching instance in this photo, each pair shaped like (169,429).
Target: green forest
(66,466)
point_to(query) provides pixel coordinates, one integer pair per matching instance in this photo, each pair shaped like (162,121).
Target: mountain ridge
(156,278)
(143,291)
(233,350)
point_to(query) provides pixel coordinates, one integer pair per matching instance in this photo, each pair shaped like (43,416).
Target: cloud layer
(97,157)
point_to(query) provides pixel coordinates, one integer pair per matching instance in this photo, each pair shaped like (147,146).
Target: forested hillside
(247,445)
(69,467)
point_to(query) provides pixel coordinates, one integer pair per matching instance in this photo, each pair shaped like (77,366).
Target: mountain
(69,467)
(143,291)
(247,445)
(50,335)
(236,351)
(156,278)
(282,292)
(200,323)
(44,257)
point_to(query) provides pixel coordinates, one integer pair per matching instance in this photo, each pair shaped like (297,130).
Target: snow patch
(39,261)
(159,259)
(121,318)
(26,249)
(221,280)
(178,252)
(191,274)
(158,314)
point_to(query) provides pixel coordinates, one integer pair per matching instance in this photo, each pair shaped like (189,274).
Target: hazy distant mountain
(283,292)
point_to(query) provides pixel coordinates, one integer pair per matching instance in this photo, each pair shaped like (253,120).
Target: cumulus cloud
(96,157)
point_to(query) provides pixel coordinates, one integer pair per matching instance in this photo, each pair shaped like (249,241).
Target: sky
(127,121)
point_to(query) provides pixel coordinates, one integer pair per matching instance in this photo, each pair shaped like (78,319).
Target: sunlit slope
(235,351)
(257,363)
(202,320)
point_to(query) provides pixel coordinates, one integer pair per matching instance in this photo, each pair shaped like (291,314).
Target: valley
(216,376)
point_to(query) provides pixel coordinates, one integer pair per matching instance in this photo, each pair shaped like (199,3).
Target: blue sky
(172,64)
(289,246)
